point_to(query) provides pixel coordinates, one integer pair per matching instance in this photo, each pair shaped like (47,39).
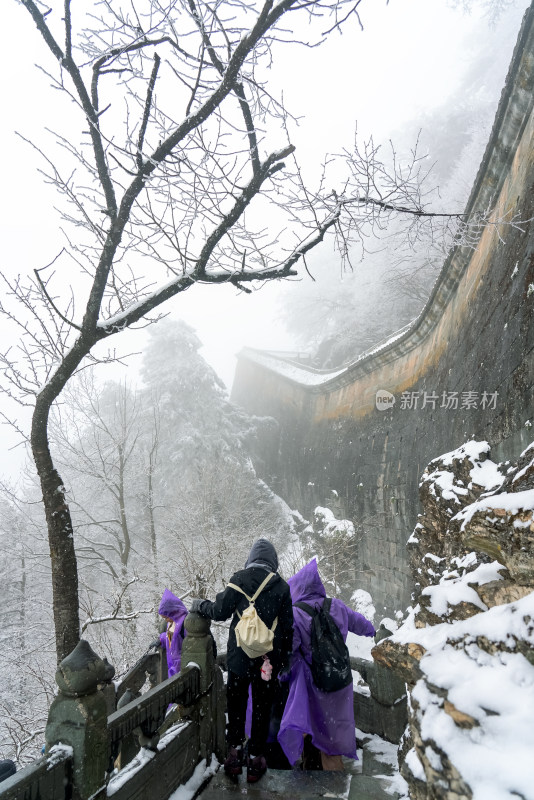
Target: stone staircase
(373,777)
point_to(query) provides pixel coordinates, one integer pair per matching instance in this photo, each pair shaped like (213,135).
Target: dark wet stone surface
(275,784)
(367,779)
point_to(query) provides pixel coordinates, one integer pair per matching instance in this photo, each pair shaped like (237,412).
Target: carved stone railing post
(198,648)
(219,704)
(78,718)
(385,711)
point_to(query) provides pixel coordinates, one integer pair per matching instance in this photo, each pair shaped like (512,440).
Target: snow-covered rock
(448,484)
(466,647)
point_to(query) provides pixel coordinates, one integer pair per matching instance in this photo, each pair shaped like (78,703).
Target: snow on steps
(374,777)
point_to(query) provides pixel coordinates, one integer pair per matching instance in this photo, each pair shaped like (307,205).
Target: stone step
(296,785)
(367,787)
(277,784)
(368,778)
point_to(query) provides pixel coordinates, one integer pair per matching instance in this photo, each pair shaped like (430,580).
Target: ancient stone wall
(475,336)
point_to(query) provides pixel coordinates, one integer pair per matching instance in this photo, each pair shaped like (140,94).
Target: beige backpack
(251,633)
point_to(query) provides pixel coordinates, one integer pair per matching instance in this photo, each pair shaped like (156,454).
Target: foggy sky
(410,57)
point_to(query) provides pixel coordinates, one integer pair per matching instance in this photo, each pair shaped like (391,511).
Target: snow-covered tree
(27,648)
(329,539)
(208,505)
(161,487)
(168,181)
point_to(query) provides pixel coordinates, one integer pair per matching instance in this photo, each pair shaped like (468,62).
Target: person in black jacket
(274,602)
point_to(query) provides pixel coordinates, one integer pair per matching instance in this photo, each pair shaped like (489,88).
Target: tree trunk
(60,538)
(152,527)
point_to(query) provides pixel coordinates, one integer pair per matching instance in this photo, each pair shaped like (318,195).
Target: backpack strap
(261,587)
(312,611)
(239,589)
(259,590)
(305,607)
(256,594)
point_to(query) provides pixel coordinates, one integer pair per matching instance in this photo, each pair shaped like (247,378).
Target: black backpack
(330,664)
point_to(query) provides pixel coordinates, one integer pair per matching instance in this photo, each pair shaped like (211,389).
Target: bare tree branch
(155,202)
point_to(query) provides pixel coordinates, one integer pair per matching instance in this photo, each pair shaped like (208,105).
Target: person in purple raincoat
(328,717)
(173,610)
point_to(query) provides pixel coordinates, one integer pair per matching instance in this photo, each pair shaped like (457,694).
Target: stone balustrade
(106,741)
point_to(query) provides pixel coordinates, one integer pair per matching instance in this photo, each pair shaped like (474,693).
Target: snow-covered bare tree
(27,651)
(207,502)
(96,434)
(160,486)
(169,181)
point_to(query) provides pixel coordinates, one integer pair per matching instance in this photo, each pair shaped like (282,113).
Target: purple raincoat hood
(306,586)
(171,606)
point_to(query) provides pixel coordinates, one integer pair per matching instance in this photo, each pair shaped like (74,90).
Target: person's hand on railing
(194,607)
(382,633)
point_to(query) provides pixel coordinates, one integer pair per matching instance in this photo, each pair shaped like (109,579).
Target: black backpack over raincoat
(330,666)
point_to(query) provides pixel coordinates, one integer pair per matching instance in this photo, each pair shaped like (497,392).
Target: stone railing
(151,667)
(111,741)
(381,706)
(49,777)
(382,709)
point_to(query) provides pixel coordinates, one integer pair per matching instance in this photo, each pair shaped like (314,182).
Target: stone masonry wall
(475,335)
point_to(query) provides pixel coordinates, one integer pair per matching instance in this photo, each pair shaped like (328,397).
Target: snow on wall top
(298,373)
(309,376)
(515,108)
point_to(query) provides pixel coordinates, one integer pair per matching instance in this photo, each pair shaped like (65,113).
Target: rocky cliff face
(466,648)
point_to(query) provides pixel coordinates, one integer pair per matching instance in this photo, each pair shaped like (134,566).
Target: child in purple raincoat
(173,610)
(328,717)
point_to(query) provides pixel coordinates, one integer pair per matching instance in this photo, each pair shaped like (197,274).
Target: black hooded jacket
(274,601)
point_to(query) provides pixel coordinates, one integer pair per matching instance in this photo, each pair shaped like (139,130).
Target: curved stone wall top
(335,444)
(506,161)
